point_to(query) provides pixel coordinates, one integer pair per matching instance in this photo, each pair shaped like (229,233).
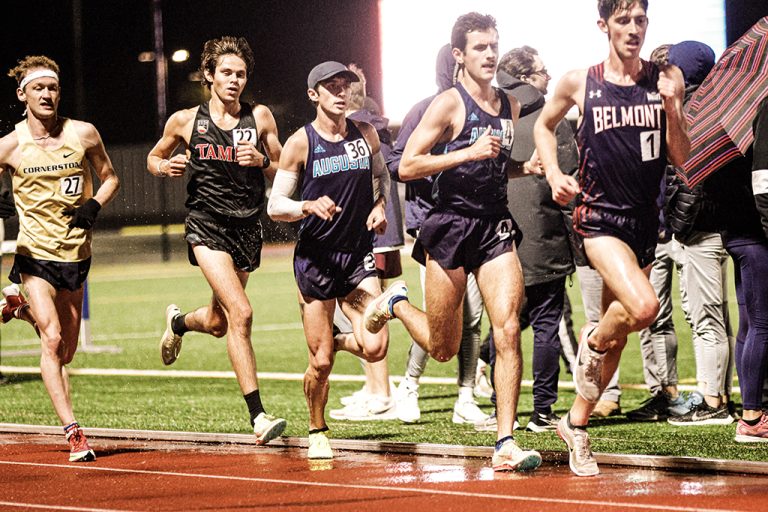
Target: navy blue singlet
(622,142)
(340,171)
(217,183)
(478,188)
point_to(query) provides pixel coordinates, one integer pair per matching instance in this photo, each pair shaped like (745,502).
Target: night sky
(288,38)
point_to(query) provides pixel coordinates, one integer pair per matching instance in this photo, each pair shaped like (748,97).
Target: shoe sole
(711,421)
(170,346)
(529,463)
(275,429)
(375,320)
(588,330)
(86,456)
(740,438)
(538,429)
(570,458)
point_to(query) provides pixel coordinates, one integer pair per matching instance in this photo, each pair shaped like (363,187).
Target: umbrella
(721,111)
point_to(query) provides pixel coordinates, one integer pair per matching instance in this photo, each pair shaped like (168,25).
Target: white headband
(40,73)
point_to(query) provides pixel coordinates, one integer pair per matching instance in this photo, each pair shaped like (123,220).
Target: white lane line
(15,504)
(536,499)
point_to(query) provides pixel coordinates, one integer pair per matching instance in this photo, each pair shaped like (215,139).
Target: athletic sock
(572,426)
(318,430)
(72,426)
(503,440)
(394,300)
(753,422)
(253,400)
(178,326)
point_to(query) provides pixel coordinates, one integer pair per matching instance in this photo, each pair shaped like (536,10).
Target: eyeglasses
(541,72)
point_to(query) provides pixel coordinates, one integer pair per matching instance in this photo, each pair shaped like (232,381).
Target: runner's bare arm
(177,130)
(564,187)
(99,159)
(672,87)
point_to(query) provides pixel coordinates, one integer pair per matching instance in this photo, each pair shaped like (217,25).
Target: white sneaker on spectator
(360,395)
(483,388)
(407,401)
(376,408)
(467,411)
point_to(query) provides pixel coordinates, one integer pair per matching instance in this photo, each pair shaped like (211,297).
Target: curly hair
(519,62)
(467,23)
(227,45)
(31,62)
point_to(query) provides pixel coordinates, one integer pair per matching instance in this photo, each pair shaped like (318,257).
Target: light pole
(161,86)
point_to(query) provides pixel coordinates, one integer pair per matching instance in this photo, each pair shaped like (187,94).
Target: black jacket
(545,251)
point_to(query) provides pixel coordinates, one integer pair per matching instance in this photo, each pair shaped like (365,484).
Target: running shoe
(376,408)
(490,424)
(542,422)
(483,387)
(170,343)
(680,405)
(510,457)
(467,411)
(79,449)
(606,408)
(752,434)
(358,396)
(267,427)
(319,446)
(379,310)
(703,414)
(587,375)
(407,401)
(580,457)
(13,302)
(655,408)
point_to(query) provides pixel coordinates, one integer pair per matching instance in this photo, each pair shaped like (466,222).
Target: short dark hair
(608,7)
(215,48)
(467,23)
(31,62)
(518,62)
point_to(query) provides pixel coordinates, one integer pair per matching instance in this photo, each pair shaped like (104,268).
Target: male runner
(344,186)
(48,158)
(470,228)
(632,123)
(225,199)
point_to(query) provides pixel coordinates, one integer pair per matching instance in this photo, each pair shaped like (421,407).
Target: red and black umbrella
(721,111)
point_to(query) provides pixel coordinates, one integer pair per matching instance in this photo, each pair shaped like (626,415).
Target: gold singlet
(47,183)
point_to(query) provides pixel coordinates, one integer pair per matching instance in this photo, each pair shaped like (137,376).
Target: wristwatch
(266,162)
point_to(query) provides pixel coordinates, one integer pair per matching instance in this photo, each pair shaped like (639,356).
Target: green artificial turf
(128,301)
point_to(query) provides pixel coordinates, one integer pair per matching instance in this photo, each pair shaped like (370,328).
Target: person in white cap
(48,157)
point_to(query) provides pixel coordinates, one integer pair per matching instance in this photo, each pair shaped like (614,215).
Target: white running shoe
(580,457)
(491,424)
(267,427)
(587,376)
(407,401)
(361,395)
(374,409)
(483,388)
(170,343)
(510,457)
(467,411)
(377,314)
(319,446)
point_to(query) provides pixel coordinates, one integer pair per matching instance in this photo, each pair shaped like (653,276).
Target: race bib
(357,149)
(71,186)
(246,134)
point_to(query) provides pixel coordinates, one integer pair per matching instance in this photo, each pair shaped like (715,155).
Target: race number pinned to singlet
(357,149)
(246,134)
(507,134)
(71,186)
(650,145)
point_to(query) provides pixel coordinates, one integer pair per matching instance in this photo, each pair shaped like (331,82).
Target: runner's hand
(486,146)
(83,216)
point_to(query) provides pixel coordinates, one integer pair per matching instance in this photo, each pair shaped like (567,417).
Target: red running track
(156,475)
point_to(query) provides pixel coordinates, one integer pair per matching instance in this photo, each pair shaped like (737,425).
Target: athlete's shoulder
(369,133)
(8,144)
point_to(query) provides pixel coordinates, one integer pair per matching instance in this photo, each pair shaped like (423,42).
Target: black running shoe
(655,408)
(541,422)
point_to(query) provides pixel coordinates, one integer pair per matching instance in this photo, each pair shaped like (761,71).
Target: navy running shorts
(457,241)
(325,274)
(241,240)
(639,231)
(63,275)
